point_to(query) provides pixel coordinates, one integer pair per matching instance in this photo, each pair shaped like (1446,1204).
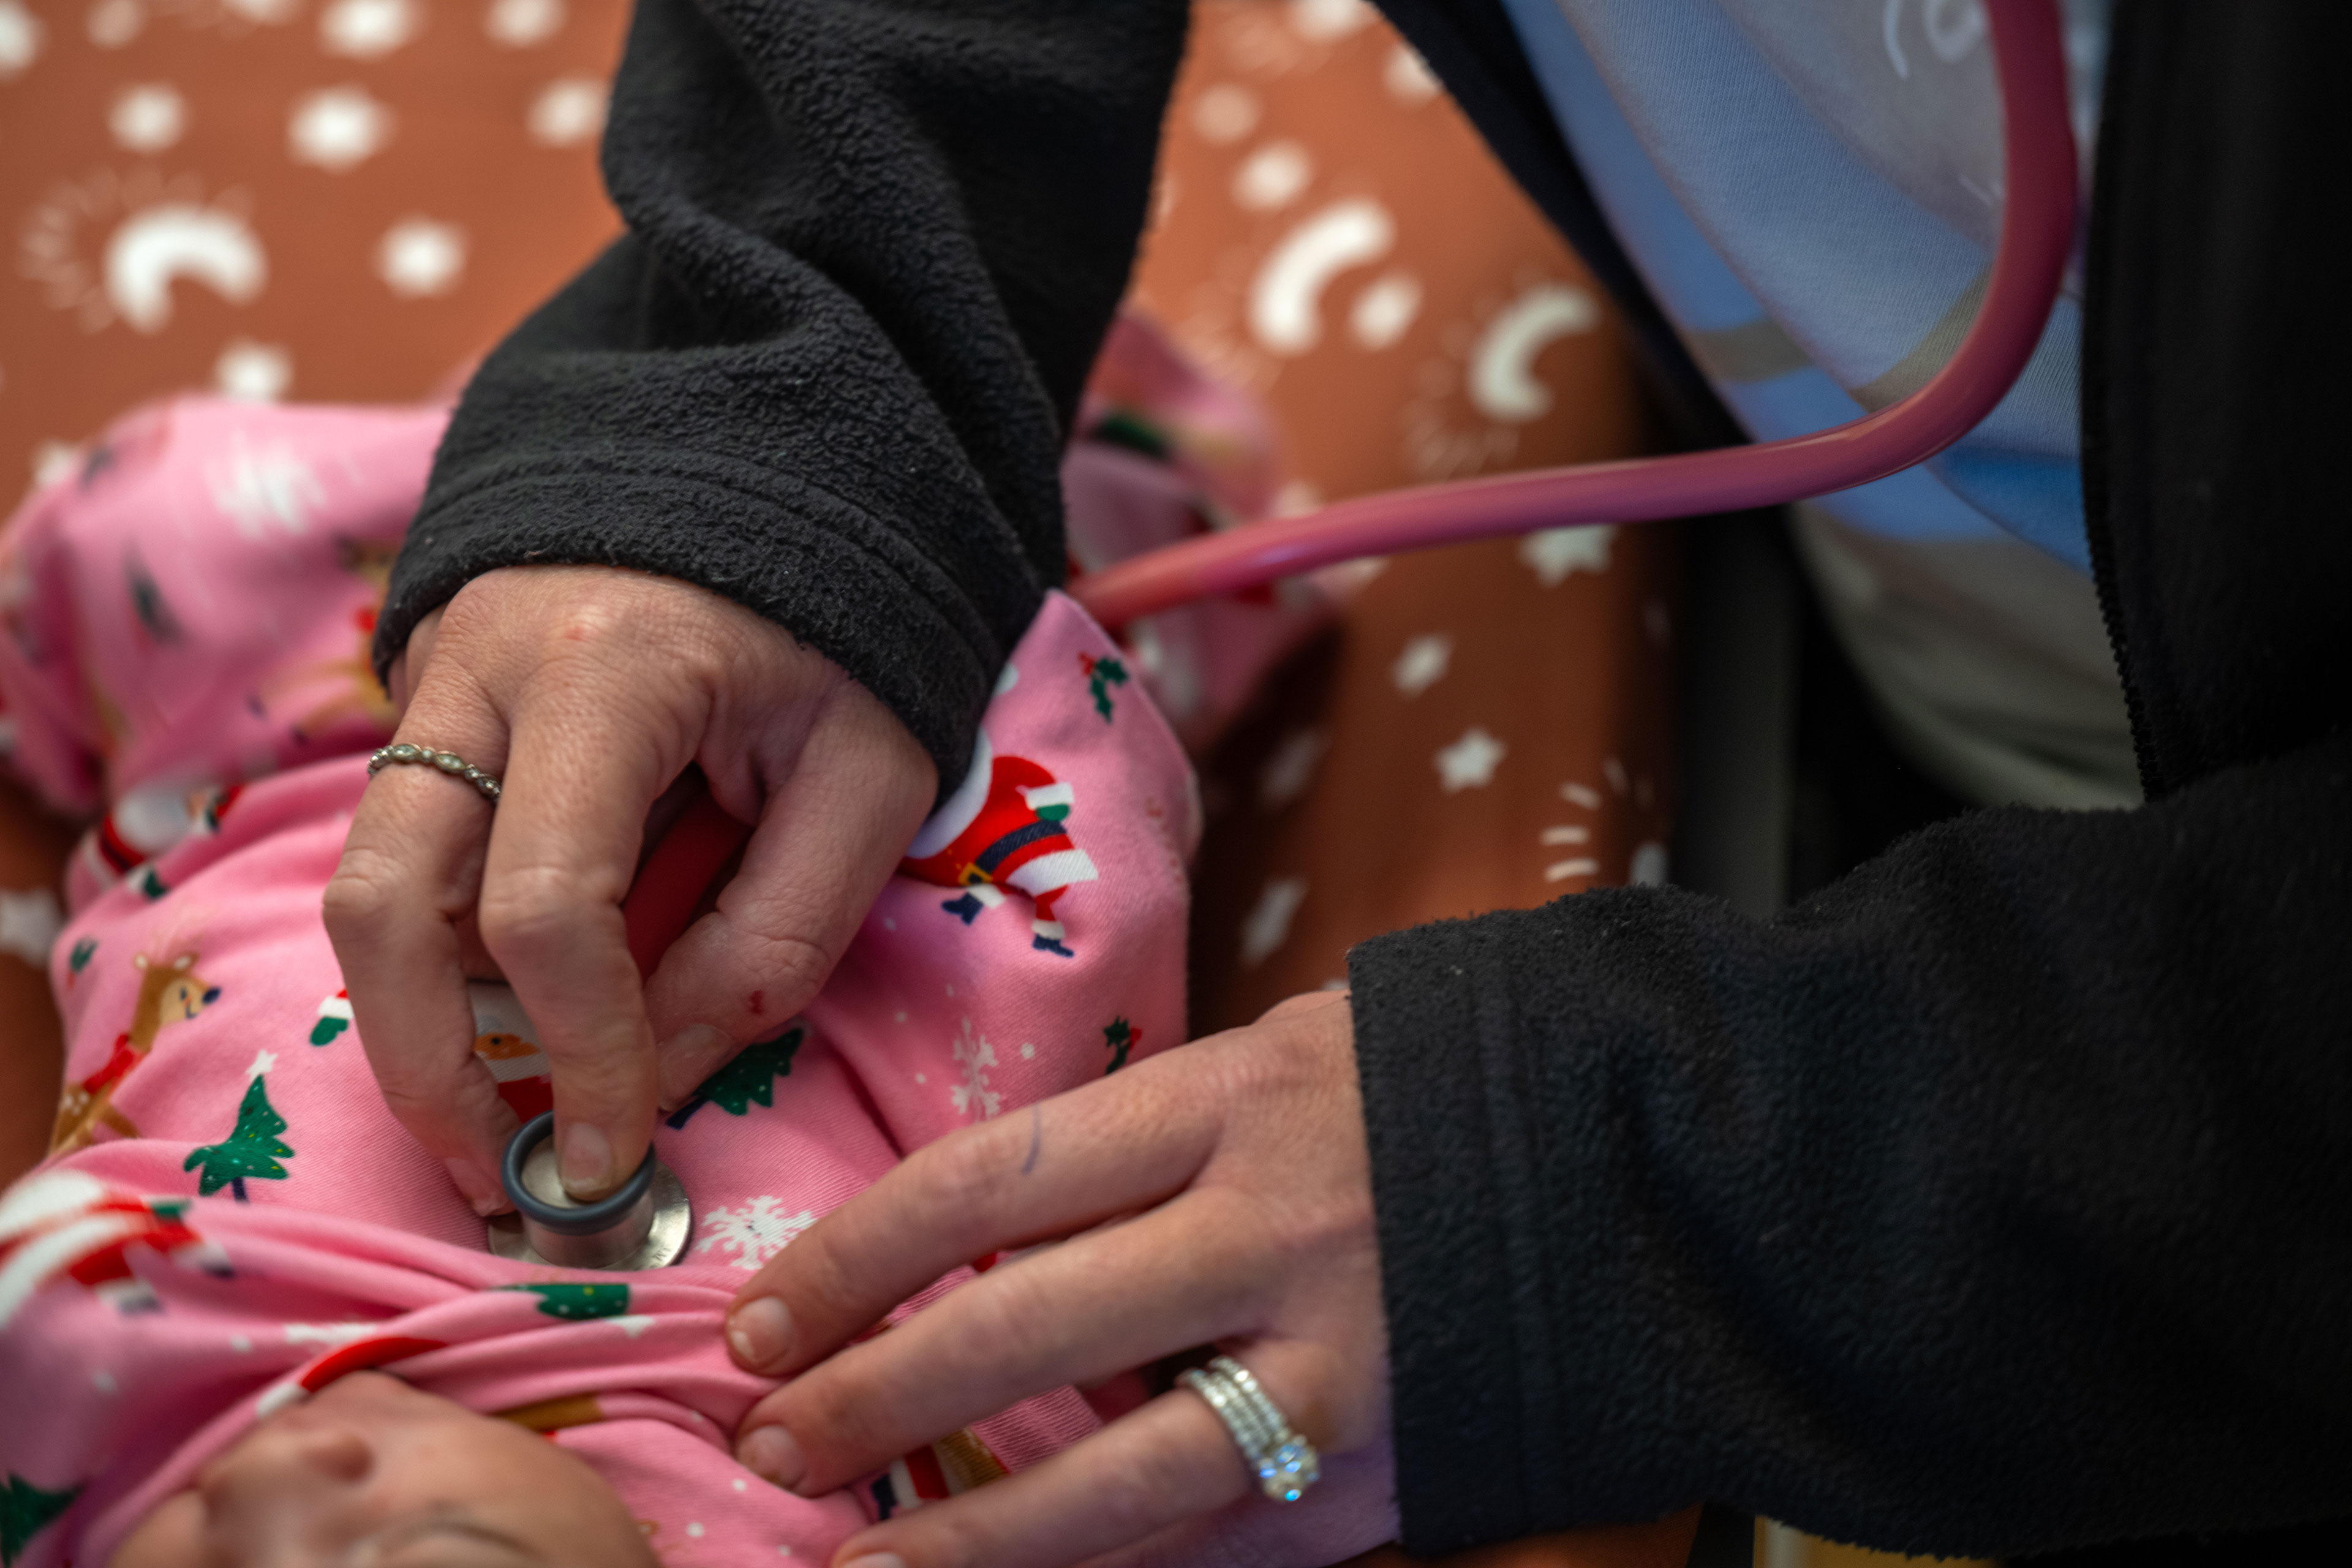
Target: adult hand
(587,690)
(1218,1193)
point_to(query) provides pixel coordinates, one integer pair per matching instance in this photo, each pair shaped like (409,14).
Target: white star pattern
(418,258)
(253,373)
(148,117)
(1470,761)
(519,24)
(1288,772)
(1384,311)
(55,460)
(1268,925)
(1554,552)
(1423,663)
(753,1233)
(1225,113)
(114,23)
(1407,76)
(365,29)
(1272,177)
(974,1056)
(20,38)
(567,112)
(1321,20)
(337,129)
(262,1062)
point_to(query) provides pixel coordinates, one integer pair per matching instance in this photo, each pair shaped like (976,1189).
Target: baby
(243,1317)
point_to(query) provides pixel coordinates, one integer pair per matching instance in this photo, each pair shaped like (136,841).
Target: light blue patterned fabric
(1811,189)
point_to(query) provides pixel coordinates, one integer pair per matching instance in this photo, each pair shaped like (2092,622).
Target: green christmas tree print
(25,1511)
(750,1077)
(1102,674)
(252,1151)
(1120,1037)
(578,1303)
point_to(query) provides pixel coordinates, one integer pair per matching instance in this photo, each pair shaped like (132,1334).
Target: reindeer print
(171,993)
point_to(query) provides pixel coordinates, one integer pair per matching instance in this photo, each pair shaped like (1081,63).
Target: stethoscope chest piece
(642,1224)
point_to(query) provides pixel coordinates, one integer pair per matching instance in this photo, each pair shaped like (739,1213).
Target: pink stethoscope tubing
(2036,237)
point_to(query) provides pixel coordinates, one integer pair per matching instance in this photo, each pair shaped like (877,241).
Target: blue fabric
(1740,206)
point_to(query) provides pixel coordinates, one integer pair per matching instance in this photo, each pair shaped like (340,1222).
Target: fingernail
(485,1196)
(688,1058)
(587,1162)
(770,1451)
(761,1332)
(877,1560)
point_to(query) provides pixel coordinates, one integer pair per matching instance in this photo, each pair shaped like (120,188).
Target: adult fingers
(593,745)
(1119,1144)
(1164,1463)
(1350,1512)
(837,818)
(409,873)
(1185,1274)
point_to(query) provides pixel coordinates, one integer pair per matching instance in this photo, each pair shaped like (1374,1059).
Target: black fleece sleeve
(1999,1197)
(872,250)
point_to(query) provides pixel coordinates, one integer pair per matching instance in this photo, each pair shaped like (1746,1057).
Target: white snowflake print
(974,1056)
(264,489)
(754,1233)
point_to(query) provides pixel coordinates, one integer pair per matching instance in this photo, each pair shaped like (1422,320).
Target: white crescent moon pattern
(156,246)
(1503,384)
(1285,300)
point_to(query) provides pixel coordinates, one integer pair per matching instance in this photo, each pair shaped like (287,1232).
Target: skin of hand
(587,690)
(373,1472)
(1218,1193)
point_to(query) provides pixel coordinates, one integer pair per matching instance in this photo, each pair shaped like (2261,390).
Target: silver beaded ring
(1284,1463)
(449,762)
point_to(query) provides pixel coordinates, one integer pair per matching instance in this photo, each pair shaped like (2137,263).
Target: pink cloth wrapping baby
(232,1218)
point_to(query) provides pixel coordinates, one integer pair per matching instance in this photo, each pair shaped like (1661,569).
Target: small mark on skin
(1036,1140)
(758,1004)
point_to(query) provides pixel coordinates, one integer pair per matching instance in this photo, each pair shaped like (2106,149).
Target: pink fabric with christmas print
(232,1217)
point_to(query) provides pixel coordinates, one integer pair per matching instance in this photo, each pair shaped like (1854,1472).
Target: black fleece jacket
(2000,1197)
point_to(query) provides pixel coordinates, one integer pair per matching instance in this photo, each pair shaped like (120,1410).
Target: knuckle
(822,1282)
(845,1412)
(1006,1324)
(959,1182)
(358,900)
(1129,1497)
(796,965)
(540,912)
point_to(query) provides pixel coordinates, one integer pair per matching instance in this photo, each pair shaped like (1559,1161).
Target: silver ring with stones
(1284,1463)
(449,762)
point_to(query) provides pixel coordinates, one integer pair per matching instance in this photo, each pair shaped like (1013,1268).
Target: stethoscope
(645,1223)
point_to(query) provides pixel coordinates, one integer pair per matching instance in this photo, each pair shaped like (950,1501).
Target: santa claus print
(506,1042)
(1005,827)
